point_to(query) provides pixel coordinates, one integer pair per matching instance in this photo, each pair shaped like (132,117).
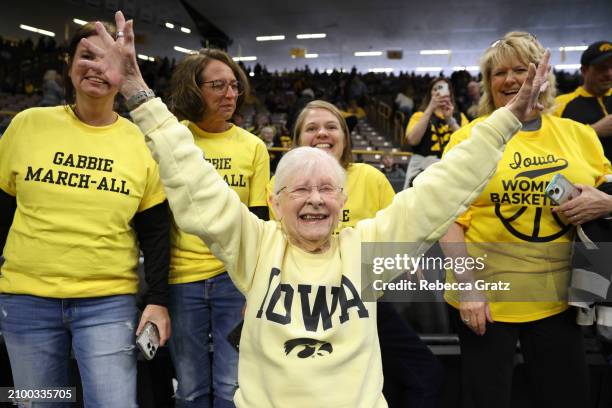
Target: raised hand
(525,105)
(116,59)
(437,102)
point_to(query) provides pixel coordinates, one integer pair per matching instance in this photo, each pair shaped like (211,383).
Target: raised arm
(423,213)
(201,201)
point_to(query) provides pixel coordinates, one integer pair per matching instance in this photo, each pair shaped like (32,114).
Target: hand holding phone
(148,340)
(560,190)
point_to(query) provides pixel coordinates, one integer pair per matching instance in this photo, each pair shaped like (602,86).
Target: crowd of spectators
(23,65)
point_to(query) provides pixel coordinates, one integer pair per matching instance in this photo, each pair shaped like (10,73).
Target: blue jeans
(39,333)
(199,310)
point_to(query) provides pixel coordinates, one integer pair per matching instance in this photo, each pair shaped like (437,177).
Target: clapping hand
(525,103)
(116,59)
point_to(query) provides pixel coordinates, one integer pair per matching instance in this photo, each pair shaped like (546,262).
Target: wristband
(139,98)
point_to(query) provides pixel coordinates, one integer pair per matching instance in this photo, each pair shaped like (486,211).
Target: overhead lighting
(466,68)
(379,70)
(368,53)
(145,57)
(434,52)
(310,36)
(311,55)
(251,74)
(36,30)
(270,38)
(184,50)
(567,66)
(428,69)
(251,58)
(79,21)
(169,25)
(573,48)
(186,30)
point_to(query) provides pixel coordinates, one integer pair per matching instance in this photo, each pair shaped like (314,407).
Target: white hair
(305,160)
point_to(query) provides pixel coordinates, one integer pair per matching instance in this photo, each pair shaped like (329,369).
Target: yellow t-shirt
(241,158)
(436,136)
(78,188)
(529,245)
(367,189)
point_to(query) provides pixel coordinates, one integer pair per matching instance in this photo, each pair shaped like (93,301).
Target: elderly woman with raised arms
(308,339)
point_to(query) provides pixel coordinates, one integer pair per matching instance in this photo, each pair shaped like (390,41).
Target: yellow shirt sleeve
(459,136)
(416,116)
(261,176)
(154,191)
(7,151)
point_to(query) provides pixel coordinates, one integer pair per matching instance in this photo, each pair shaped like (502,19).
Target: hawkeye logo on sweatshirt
(308,347)
(281,298)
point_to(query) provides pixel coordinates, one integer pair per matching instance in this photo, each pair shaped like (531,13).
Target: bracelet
(139,98)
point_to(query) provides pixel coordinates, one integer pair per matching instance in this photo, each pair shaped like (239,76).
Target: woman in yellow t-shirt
(79,196)
(430,128)
(526,245)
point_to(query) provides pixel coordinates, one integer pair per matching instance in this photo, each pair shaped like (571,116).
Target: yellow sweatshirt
(309,340)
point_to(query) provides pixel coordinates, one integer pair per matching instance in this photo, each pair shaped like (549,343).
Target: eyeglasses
(219,86)
(301,192)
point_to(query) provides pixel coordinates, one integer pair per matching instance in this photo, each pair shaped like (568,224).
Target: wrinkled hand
(474,310)
(116,59)
(158,315)
(525,103)
(475,315)
(589,205)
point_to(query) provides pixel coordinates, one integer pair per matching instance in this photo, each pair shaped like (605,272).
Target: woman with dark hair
(206,89)
(79,196)
(430,128)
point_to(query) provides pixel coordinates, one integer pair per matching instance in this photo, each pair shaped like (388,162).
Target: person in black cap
(591,103)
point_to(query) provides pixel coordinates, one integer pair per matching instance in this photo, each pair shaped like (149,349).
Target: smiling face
(219,106)
(598,77)
(321,129)
(87,82)
(310,214)
(507,77)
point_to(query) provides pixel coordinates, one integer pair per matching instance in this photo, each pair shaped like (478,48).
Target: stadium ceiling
(464,28)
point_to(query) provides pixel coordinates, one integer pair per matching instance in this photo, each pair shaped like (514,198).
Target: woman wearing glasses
(531,252)
(309,338)
(206,88)
(413,376)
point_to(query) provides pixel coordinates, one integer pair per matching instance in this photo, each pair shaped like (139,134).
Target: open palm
(116,59)
(525,102)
